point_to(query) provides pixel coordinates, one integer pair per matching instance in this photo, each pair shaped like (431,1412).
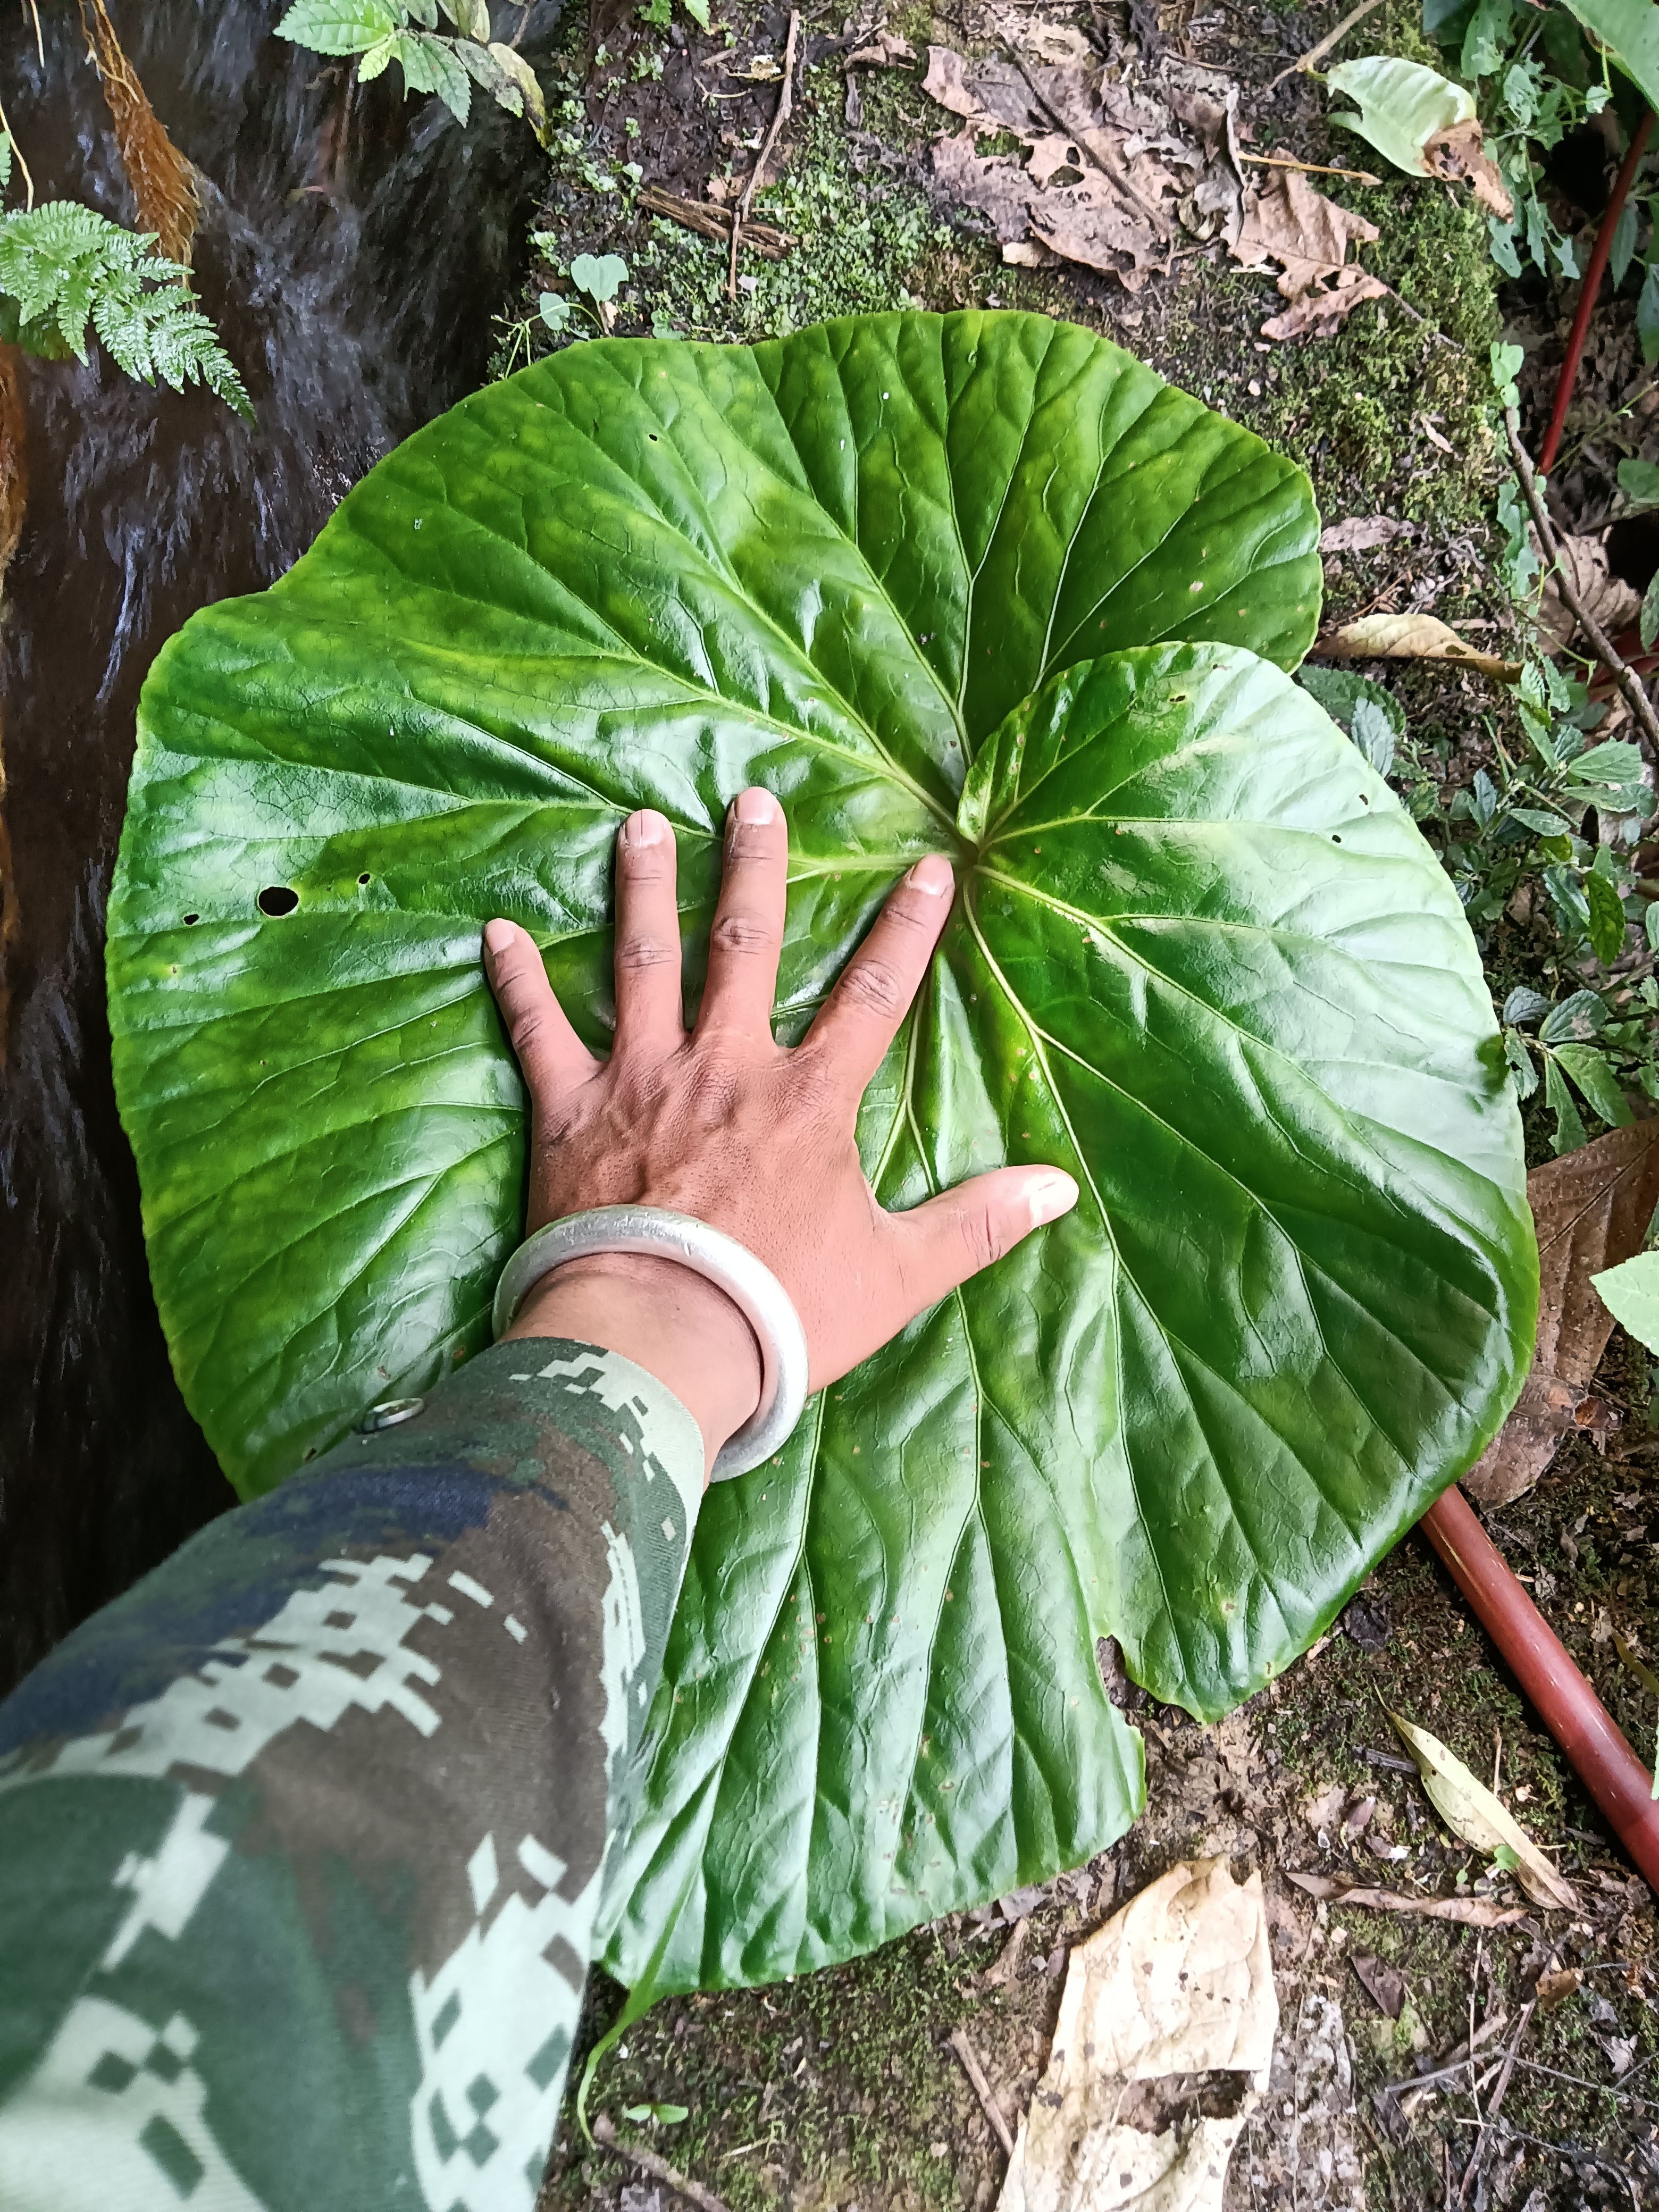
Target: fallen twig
(711,221)
(1450,2068)
(1308,168)
(1318,51)
(780,117)
(658,2168)
(1634,690)
(1569,2153)
(1500,2088)
(1578,2081)
(1470,1912)
(983,2089)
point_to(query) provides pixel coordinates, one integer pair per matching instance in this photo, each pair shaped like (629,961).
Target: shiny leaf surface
(980,584)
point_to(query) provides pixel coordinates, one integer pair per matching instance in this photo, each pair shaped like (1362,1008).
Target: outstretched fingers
(647,961)
(552,1058)
(966,1229)
(748,932)
(872,994)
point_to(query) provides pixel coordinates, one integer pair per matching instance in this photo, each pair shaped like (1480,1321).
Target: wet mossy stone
(979,583)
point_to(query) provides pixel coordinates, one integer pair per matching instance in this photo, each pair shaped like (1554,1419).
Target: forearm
(302,1842)
(667,1320)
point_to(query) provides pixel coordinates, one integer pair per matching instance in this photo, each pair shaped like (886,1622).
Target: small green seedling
(599,276)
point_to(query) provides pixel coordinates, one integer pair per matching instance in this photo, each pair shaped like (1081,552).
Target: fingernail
(756,807)
(647,827)
(498,935)
(932,875)
(1051,1194)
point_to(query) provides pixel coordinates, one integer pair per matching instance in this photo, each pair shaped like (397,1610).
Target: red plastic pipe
(1567,1703)
(1592,285)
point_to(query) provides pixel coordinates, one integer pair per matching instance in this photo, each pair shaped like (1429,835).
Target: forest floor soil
(842,2089)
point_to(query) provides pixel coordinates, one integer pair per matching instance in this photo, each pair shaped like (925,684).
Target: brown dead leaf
(1470,1912)
(1607,598)
(1309,236)
(991,94)
(1459,156)
(1555,1989)
(1109,171)
(1288,221)
(1359,533)
(1384,1984)
(1088,222)
(1007,1965)
(887,51)
(1411,637)
(1321,311)
(1591,1209)
(995,184)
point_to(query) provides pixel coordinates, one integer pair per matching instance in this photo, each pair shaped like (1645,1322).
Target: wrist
(666,1319)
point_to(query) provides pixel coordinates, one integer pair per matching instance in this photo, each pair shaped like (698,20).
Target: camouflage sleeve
(302,1841)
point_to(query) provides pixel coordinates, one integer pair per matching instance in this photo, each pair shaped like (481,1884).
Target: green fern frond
(63,266)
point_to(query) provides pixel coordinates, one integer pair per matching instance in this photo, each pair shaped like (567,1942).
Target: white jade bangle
(750,1284)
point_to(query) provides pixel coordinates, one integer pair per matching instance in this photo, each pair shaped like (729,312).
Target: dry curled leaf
(1468,1912)
(1109,170)
(1310,238)
(1479,1819)
(1411,637)
(1308,235)
(1321,311)
(1555,1989)
(1383,1983)
(1175,1989)
(1606,599)
(1360,534)
(887,51)
(1458,156)
(1591,1209)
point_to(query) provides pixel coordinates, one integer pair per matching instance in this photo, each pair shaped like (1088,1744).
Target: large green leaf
(1630,28)
(1201,957)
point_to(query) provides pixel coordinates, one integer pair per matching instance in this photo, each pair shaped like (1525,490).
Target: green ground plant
(65,267)
(449,63)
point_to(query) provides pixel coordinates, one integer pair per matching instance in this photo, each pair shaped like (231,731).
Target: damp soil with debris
(844,2089)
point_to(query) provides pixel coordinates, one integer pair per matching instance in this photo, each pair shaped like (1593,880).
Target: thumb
(961,1230)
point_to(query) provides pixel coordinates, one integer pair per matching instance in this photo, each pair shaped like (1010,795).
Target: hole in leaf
(364,878)
(192,918)
(276,899)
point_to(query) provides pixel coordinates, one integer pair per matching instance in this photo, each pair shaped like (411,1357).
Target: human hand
(726,1125)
